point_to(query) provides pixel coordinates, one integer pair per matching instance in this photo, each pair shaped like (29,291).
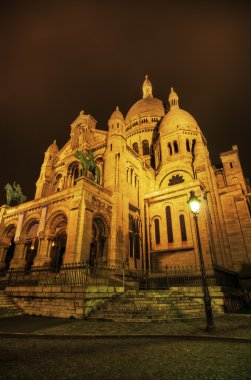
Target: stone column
(43,256)
(87,235)
(3,250)
(18,260)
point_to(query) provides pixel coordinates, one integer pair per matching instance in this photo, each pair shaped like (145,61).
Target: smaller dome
(176,117)
(173,99)
(53,148)
(117,115)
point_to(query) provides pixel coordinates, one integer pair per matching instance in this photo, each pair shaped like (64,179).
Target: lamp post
(194,204)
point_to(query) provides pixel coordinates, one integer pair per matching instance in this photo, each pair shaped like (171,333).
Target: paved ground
(230,326)
(155,353)
(111,359)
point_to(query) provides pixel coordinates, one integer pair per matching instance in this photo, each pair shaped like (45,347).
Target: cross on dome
(147,88)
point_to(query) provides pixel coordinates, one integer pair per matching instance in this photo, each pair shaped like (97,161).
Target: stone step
(149,305)
(8,306)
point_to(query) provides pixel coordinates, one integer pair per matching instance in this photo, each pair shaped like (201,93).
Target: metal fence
(77,274)
(80,274)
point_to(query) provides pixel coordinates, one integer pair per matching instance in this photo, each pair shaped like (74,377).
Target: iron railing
(80,274)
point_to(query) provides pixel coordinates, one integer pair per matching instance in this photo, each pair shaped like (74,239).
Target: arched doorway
(58,251)
(31,252)
(9,253)
(58,229)
(31,244)
(98,247)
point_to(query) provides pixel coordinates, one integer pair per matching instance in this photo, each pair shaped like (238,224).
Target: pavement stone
(228,326)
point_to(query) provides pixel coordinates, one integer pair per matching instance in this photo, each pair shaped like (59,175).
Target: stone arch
(30,238)
(51,216)
(56,228)
(187,176)
(28,223)
(99,240)
(156,223)
(9,242)
(58,181)
(145,147)
(73,172)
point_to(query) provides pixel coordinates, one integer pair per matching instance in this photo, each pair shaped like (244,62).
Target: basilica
(118,197)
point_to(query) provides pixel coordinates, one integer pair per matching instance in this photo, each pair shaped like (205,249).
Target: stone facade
(137,216)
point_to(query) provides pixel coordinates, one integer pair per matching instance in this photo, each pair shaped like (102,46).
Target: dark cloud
(60,57)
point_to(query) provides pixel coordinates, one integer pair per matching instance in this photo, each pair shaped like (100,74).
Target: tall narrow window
(187,145)
(175,147)
(169,224)
(193,145)
(170,149)
(130,235)
(135,147)
(183,228)
(145,147)
(157,234)
(111,147)
(136,240)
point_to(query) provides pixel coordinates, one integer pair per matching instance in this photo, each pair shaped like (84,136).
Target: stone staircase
(8,308)
(156,305)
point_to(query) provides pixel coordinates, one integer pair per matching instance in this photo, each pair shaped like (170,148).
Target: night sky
(60,57)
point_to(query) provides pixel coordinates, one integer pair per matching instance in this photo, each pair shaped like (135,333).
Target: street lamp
(194,204)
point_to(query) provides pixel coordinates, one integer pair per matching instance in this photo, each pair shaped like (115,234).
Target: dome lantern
(116,122)
(147,88)
(173,99)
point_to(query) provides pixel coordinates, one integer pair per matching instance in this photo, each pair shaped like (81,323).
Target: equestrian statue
(14,194)
(88,165)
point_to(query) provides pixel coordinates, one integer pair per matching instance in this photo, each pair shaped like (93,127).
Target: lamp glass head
(194,203)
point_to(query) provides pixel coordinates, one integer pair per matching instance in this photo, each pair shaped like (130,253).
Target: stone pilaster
(18,260)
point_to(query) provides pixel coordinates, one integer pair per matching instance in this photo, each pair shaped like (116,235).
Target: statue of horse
(88,164)
(14,194)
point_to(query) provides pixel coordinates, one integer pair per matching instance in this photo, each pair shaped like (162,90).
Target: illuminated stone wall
(137,216)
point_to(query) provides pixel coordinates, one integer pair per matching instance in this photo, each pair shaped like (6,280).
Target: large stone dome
(147,106)
(144,107)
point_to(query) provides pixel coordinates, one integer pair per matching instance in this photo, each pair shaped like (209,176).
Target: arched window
(131,236)
(135,147)
(175,147)
(136,239)
(193,145)
(73,173)
(183,228)
(169,225)
(188,145)
(157,233)
(145,147)
(170,149)
(58,183)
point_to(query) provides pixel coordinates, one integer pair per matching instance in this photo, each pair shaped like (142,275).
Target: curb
(214,338)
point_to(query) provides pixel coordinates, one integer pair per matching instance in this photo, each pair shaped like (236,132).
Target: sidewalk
(228,327)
